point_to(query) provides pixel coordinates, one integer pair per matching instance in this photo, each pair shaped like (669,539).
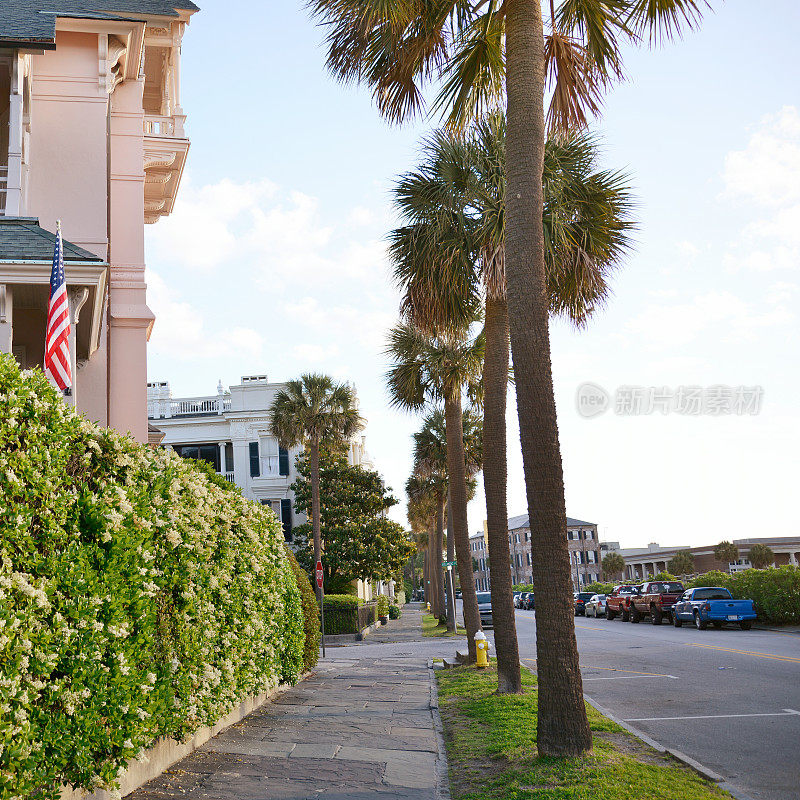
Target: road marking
(786,712)
(790,659)
(630,678)
(631,671)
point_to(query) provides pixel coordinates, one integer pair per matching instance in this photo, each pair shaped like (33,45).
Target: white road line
(786,712)
(631,678)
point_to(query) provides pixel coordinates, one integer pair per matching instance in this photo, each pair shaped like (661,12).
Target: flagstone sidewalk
(356,729)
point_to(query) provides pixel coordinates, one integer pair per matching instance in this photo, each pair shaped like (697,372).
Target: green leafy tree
(358,540)
(613,565)
(481,54)
(726,552)
(315,411)
(682,563)
(761,556)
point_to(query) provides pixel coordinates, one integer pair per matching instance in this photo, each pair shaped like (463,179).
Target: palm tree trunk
(430,589)
(458,497)
(441,606)
(451,556)
(495,478)
(315,508)
(563,728)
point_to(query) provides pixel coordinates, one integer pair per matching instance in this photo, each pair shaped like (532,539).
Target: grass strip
(491,748)
(432,627)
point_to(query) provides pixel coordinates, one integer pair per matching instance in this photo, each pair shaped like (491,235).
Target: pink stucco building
(91,133)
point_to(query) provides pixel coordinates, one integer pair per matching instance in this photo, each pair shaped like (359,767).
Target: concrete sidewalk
(355,729)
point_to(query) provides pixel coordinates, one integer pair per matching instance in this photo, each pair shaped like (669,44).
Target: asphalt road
(729,699)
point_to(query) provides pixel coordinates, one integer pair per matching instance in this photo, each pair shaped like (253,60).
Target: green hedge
(774,592)
(522,587)
(341,614)
(137,598)
(394,612)
(310,614)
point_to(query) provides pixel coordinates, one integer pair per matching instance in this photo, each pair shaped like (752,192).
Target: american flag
(57,362)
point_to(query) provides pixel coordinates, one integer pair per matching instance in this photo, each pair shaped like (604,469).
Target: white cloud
(767,170)
(722,314)
(180,332)
(767,174)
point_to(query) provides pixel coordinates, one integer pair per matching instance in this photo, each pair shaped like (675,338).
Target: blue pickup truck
(714,605)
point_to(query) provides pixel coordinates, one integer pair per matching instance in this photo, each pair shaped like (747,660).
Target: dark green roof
(23,239)
(34,21)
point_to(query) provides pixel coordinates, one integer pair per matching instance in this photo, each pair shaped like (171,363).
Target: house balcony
(165,150)
(168,407)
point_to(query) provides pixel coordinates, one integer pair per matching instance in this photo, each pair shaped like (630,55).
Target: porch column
(130,318)
(222,469)
(14,183)
(76,298)
(6,318)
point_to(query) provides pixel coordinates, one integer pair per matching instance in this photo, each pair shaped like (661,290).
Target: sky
(274,261)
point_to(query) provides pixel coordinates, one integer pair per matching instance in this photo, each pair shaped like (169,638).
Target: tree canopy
(358,540)
(682,563)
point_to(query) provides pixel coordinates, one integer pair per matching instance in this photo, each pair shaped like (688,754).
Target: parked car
(655,599)
(530,601)
(618,602)
(485,609)
(713,604)
(458,594)
(581,599)
(595,606)
(517,596)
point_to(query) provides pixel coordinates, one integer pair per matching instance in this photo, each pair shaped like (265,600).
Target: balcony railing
(155,125)
(187,407)
(3,188)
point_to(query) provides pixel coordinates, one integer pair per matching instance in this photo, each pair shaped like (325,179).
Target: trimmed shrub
(599,588)
(400,598)
(341,613)
(310,614)
(774,592)
(522,587)
(394,612)
(137,598)
(383,606)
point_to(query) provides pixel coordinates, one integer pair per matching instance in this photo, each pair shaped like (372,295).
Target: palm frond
(574,81)
(663,20)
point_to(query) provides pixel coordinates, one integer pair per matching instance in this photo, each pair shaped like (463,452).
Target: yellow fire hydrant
(481,650)
(429,607)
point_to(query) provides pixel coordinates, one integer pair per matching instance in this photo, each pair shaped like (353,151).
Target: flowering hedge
(137,599)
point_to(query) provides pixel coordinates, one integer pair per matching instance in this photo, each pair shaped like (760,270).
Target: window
(286,519)
(283,461)
(255,466)
(200,452)
(528,559)
(516,539)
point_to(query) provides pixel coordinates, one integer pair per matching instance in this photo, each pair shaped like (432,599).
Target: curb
(442,791)
(699,768)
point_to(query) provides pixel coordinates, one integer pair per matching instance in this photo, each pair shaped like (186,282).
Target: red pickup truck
(656,599)
(618,602)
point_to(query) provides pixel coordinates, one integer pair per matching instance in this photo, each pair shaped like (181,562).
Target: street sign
(448,563)
(320,575)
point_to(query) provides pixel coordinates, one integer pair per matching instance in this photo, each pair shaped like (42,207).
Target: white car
(596,606)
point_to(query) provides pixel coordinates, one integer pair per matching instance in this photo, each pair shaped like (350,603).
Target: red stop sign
(319,574)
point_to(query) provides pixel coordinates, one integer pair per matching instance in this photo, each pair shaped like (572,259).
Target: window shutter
(283,461)
(255,467)
(286,519)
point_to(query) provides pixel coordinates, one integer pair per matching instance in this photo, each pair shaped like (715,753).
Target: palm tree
(726,552)
(476,49)
(453,247)
(309,412)
(430,460)
(440,369)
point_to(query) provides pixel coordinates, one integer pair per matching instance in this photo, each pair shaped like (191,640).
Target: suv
(656,599)
(581,598)
(485,609)
(618,602)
